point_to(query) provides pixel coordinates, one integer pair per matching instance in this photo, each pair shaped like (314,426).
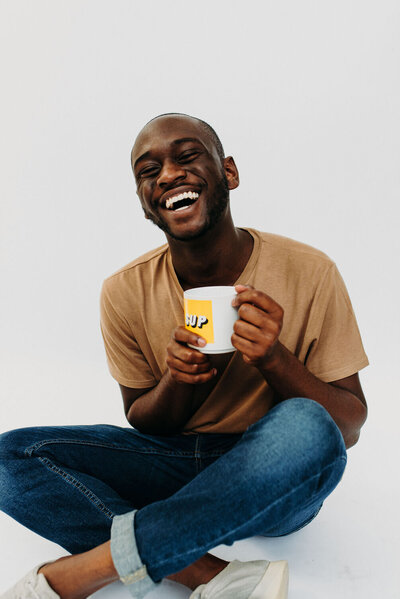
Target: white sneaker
(247,580)
(31,586)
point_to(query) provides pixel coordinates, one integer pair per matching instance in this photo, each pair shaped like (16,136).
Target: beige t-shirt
(143,302)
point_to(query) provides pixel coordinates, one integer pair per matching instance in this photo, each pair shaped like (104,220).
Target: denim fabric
(191,492)
(132,572)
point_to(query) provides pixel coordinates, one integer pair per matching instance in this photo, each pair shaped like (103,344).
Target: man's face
(181,181)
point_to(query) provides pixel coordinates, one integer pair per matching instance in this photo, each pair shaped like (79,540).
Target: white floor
(351,550)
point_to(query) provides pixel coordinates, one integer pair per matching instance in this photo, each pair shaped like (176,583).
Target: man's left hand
(256,332)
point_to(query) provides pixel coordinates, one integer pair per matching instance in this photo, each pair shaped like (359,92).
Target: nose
(170,173)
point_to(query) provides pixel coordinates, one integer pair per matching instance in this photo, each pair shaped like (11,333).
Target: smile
(181,201)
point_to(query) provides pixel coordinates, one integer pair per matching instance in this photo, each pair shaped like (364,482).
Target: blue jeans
(166,501)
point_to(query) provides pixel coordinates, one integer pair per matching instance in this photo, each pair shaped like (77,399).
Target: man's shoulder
(291,248)
(143,260)
(135,268)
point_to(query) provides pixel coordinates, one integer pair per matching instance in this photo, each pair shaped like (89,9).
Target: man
(224,447)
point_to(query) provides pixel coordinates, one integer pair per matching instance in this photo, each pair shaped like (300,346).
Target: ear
(231,172)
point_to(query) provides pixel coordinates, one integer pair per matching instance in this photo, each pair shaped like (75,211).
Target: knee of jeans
(297,445)
(10,446)
(13,446)
(304,428)
(10,443)
(312,427)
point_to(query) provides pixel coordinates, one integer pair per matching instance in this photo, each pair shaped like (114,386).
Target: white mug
(209,313)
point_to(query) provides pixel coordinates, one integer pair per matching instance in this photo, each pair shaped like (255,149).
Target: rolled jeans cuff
(131,570)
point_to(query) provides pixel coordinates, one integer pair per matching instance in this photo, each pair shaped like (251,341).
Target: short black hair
(205,126)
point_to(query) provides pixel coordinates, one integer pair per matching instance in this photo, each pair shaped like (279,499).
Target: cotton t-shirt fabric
(142,303)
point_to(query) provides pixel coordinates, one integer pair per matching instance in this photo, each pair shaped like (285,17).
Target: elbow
(363,415)
(152,427)
(351,440)
(352,436)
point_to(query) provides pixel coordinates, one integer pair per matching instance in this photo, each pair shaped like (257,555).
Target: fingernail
(201,342)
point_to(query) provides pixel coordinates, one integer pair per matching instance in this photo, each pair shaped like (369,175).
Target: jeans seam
(29,450)
(220,539)
(197,454)
(69,479)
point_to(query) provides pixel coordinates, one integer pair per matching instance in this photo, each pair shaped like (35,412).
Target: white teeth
(192,195)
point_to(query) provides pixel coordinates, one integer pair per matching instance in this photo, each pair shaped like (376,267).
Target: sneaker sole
(274,584)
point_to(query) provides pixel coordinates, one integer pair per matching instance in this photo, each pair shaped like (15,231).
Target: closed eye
(188,156)
(148,171)
(153,169)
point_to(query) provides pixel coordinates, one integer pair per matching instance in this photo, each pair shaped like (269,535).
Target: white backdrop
(305,96)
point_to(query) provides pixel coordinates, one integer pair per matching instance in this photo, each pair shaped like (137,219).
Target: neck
(216,258)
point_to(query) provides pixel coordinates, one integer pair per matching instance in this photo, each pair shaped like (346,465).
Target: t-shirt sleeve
(336,350)
(125,360)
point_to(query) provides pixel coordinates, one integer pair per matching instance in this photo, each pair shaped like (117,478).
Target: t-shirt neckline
(242,278)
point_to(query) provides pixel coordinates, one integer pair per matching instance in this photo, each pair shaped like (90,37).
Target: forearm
(165,409)
(290,378)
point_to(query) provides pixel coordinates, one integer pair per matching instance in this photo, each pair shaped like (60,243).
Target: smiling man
(220,448)
(208,179)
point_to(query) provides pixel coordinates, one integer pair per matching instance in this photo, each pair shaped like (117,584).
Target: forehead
(161,133)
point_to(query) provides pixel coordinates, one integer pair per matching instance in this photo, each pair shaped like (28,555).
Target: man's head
(208,130)
(183,179)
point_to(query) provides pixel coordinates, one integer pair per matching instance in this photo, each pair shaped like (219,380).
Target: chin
(214,216)
(188,235)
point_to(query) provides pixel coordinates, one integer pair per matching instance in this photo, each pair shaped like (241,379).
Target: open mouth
(181,201)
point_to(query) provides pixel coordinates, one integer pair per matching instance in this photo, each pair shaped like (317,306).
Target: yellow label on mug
(198,318)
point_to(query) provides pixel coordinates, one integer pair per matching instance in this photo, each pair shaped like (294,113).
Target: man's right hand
(187,365)
(165,408)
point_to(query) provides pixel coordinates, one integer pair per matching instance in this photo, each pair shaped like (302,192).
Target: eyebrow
(176,142)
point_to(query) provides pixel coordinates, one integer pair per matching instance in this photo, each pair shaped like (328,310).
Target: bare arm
(164,409)
(343,399)
(257,337)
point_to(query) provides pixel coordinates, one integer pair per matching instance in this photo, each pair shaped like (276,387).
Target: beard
(219,202)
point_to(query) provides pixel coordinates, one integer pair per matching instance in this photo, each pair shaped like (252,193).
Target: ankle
(77,576)
(200,572)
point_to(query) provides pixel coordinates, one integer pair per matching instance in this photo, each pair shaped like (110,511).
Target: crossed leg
(77,576)
(67,484)
(271,480)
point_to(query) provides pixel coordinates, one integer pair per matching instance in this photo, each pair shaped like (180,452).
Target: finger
(248,331)
(179,349)
(253,315)
(183,335)
(258,298)
(186,354)
(263,336)
(250,351)
(193,379)
(187,367)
